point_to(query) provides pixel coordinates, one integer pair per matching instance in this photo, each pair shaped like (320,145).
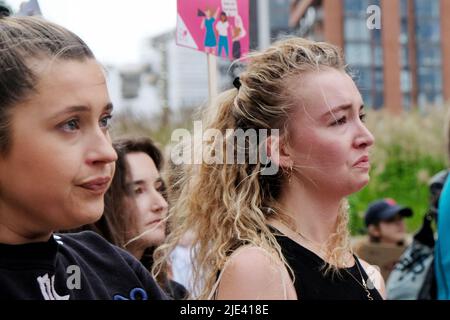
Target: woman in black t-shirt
(56,163)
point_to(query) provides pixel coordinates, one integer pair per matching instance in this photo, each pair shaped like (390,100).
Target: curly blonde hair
(224,205)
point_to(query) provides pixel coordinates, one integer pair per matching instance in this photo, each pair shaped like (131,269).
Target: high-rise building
(182,74)
(400,63)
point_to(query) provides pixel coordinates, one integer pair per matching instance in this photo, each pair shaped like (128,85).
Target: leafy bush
(408,151)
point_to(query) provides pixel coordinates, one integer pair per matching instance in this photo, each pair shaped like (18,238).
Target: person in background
(238,33)
(385,222)
(386,231)
(208,19)
(442,247)
(413,276)
(136,207)
(222,29)
(181,262)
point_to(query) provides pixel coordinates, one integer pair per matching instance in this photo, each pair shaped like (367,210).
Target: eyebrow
(343,107)
(73,109)
(137,182)
(142,182)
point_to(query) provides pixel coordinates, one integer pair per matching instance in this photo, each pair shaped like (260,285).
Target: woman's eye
(160,186)
(363,117)
(138,191)
(339,121)
(71,125)
(105,122)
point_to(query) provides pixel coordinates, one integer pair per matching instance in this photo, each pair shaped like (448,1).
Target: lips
(362,162)
(97,186)
(154,222)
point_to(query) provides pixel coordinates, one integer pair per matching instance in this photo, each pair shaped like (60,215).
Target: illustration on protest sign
(218,27)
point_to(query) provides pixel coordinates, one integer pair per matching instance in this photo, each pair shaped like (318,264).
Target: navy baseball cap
(384,209)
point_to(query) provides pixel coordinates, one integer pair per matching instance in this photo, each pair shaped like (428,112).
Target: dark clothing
(80,266)
(172,288)
(176,290)
(236,49)
(311,283)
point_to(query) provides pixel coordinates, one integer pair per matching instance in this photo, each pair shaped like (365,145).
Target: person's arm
(202,24)
(216,14)
(238,23)
(243,31)
(252,274)
(375,277)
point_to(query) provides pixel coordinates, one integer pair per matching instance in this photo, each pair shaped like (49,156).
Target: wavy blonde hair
(224,205)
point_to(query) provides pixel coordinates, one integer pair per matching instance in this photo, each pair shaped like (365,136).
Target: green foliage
(409,150)
(401,180)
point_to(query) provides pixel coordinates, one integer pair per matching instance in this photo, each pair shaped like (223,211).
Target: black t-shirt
(173,289)
(79,266)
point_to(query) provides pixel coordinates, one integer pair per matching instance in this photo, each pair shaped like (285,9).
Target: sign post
(212,77)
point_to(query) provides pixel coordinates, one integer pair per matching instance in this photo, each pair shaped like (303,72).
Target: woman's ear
(278,152)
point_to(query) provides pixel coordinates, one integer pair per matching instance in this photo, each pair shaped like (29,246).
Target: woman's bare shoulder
(253,273)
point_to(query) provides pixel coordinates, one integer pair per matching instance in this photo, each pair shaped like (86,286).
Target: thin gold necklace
(320,247)
(363,284)
(314,244)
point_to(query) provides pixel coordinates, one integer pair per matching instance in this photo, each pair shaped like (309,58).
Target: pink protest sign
(219,27)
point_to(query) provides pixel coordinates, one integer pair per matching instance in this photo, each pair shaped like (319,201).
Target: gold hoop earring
(290,174)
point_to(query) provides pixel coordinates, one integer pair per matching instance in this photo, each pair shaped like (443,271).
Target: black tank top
(311,283)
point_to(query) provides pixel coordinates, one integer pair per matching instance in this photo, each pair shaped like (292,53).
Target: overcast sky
(114,29)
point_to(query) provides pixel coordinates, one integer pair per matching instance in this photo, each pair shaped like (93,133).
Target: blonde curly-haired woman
(282,235)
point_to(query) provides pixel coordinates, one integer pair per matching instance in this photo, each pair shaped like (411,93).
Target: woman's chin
(89,214)
(361,184)
(356,186)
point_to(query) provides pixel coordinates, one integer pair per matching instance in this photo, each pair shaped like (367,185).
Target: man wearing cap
(384,222)
(386,234)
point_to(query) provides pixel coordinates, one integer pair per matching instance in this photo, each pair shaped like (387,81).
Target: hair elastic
(237,83)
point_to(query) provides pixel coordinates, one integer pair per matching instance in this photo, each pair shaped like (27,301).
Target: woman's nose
(159,203)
